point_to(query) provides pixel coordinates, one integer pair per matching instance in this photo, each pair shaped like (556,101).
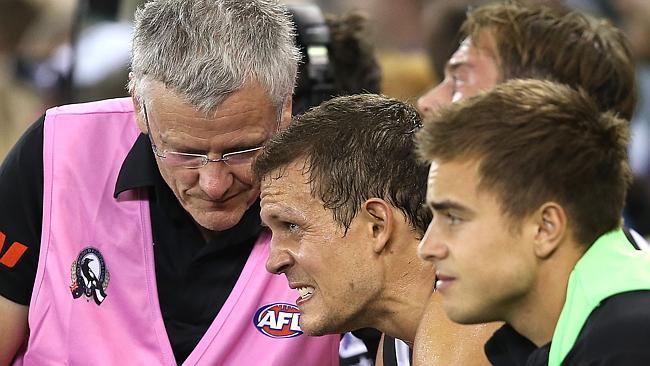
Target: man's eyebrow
(448,205)
(453,66)
(274,211)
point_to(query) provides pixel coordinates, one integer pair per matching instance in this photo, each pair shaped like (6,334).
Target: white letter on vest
(268,319)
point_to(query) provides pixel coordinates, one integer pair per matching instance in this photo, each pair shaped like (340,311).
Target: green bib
(610,266)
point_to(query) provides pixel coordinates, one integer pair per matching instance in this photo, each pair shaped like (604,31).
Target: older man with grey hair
(132,225)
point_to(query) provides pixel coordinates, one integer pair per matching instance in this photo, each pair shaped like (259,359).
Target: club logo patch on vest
(278,320)
(89,276)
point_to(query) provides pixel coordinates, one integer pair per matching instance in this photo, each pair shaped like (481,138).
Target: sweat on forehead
(356,147)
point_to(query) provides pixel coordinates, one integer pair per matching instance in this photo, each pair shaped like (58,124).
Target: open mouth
(305,294)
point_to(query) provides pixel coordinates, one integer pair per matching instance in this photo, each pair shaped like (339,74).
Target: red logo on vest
(278,320)
(13,254)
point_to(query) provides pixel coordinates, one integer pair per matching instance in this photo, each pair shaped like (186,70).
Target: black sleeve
(21,194)
(616,334)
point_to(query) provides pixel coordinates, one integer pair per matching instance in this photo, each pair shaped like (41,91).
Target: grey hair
(204,50)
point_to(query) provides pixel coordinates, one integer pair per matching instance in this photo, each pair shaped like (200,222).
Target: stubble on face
(322,257)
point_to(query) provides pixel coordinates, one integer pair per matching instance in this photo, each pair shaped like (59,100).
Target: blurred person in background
(442,20)
(501,42)
(441,23)
(19,102)
(337,56)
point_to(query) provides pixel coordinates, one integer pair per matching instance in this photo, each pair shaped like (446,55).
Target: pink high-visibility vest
(95,300)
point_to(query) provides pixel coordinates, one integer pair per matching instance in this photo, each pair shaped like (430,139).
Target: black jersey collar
(139,169)
(507,347)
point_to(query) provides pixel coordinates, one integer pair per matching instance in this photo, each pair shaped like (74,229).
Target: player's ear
(378,216)
(550,225)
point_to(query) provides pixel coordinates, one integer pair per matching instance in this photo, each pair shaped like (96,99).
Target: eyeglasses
(196,161)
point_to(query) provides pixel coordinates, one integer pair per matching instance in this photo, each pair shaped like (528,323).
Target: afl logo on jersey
(278,320)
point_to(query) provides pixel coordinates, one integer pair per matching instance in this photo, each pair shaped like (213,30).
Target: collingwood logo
(89,276)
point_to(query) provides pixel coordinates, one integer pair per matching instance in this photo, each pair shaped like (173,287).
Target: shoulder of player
(621,322)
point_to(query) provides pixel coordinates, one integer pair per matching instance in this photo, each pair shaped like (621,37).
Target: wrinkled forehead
(287,180)
(251,93)
(246,111)
(286,193)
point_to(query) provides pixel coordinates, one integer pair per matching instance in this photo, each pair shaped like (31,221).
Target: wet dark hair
(356,147)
